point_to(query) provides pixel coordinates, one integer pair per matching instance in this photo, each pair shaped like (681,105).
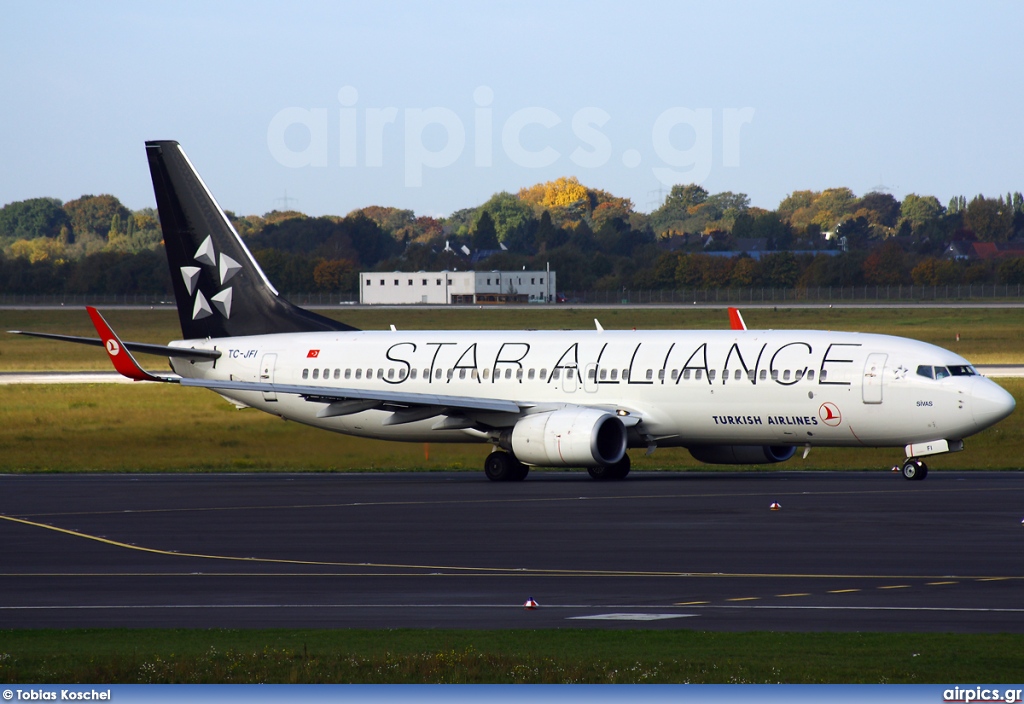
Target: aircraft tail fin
(220,289)
(736,321)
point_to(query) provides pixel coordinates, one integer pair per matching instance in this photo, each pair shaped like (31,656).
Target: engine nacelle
(742,454)
(571,437)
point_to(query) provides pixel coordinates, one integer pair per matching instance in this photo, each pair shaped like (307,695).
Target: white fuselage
(688,387)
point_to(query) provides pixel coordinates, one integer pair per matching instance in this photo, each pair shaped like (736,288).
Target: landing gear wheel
(503,467)
(619,470)
(915,469)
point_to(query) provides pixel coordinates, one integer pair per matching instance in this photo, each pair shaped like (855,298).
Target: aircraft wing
(334,394)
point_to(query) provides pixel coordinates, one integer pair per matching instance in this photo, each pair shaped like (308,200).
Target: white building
(456,287)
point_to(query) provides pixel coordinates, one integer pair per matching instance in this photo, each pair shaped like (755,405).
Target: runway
(846,552)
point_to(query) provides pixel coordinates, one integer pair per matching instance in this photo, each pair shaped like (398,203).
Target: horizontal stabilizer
(142,347)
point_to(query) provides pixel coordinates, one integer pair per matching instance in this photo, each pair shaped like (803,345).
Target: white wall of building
(444,287)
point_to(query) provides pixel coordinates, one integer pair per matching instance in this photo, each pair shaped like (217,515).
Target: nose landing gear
(914,469)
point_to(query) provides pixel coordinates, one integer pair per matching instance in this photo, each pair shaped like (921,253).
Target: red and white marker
(530,604)
(776,506)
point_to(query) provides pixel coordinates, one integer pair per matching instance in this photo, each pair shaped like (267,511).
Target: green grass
(987,335)
(553,656)
(87,428)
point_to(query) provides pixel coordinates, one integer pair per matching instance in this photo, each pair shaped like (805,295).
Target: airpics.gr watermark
(981,694)
(593,148)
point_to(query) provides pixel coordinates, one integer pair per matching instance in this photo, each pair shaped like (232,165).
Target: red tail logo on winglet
(125,363)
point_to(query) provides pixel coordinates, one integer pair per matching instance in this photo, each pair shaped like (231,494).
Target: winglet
(119,355)
(736,320)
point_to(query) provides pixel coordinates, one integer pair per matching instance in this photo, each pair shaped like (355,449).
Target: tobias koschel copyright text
(63,695)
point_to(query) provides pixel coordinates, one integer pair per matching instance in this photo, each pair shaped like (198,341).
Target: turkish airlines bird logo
(112,347)
(830,415)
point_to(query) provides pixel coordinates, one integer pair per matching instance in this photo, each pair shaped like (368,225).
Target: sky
(435,106)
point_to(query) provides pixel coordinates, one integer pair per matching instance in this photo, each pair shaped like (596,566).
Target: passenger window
(625,374)
(530,375)
(556,373)
(675,374)
(823,375)
(487,373)
(697,374)
(412,373)
(380,373)
(785,375)
(650,373)
(711,374)
(543,374)
(810,375)
(661,375)
(451,374)
(337,373)
(391,373)
(462,373)
(305,373)
(925,370)
(798,375)
(738,375)
(750,375)
(348,373)
(604,374)
(316,373)
(775,374)
(519,374)
(508,373)
(615,374)
(437,374)
(686,373)
(359,373)
(764,374)
(591,374)
(369,373)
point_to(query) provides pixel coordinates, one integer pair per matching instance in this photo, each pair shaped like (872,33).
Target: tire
(915,470)
(503,467)
(499,466)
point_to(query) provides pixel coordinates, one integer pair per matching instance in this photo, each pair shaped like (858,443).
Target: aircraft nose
(990,403)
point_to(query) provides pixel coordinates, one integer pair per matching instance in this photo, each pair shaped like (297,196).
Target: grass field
(563,656)
(987,335)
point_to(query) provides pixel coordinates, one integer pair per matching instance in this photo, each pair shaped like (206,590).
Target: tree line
(593,239)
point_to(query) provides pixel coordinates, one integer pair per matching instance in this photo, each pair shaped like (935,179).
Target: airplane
(577,398)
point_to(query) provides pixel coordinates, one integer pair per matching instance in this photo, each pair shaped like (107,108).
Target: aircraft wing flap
(328,394)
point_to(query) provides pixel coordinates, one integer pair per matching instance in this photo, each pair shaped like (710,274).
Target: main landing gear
(915,469)
(619,470)
(502,466)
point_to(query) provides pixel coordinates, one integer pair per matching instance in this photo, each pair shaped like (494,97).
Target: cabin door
(871,387)
(267,375)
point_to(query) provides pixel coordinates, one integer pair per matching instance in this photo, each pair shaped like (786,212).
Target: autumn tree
(334,275)
(988,221)
(886,265)
(95,214)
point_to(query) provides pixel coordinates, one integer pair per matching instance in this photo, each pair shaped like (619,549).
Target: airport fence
(819,294)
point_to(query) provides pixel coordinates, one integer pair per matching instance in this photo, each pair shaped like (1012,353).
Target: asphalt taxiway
(845,552)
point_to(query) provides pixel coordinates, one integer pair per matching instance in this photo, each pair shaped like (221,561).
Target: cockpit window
(942,372)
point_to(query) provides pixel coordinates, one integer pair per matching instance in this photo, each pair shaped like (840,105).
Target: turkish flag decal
(313,353)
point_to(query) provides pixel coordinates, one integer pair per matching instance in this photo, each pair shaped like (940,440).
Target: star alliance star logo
(227,268)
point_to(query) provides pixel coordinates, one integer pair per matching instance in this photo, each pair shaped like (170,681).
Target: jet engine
(571,437)
(742,454)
